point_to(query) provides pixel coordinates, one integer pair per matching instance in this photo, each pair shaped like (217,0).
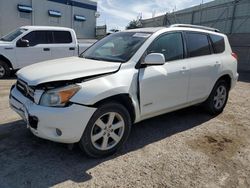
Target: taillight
(234,55)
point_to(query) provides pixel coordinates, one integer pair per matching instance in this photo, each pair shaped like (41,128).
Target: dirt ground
(187,148)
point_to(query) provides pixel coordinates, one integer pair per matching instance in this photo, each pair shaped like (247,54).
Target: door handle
(46,49)
(217,64)
(72,48)
(183,70)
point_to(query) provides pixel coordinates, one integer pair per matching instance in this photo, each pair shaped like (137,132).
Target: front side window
(13,35)
(197,44)
(38,37)
(61,37)
(170,45)
(117,47)
(218,43)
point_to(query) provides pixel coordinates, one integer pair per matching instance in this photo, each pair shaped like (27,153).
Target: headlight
(59,96)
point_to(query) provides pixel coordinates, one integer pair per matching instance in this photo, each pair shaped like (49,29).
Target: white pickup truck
(31,44)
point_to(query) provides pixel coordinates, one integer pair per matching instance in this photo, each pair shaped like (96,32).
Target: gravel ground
(187,148)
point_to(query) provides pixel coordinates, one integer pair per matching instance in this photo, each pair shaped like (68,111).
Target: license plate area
(20,109)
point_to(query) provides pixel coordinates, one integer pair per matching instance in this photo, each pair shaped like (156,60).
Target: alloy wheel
(220,97)
(107,131)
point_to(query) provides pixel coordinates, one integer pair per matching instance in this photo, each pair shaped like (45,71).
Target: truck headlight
(59,96)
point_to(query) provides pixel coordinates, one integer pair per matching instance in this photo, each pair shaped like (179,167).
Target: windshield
(117,47)
(14,34)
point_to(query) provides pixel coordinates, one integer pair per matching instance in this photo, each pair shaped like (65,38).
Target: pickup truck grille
(26,90)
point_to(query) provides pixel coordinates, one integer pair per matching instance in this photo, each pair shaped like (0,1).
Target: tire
(4,70)
(217,99)
(106,131)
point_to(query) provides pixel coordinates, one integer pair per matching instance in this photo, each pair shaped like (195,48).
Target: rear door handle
(217,64)
(72,48)
(46,49)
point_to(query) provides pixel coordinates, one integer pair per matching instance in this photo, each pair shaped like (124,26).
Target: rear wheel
(107,130)
(217,100)
(4,70)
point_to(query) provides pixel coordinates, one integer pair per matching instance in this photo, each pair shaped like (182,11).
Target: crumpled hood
(64,69)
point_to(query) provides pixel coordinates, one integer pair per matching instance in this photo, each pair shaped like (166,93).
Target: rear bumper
(71,120)
(234,80)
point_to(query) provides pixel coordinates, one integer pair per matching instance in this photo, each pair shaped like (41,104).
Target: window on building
(24,11)
(218,43)
(62,37)
(25,15)
(197,44)
(54,20)
(38,37)
(170,45)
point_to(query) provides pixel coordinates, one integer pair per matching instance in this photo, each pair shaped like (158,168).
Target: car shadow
(28,161)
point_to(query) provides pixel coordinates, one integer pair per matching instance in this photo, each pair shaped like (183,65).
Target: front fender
(98,89)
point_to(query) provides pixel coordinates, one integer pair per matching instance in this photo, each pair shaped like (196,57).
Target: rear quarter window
(218,43)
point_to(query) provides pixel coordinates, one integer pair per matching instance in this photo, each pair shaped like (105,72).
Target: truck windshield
(117,47)
(14,34)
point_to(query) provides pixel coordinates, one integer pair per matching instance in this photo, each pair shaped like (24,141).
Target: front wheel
(106,131)
(217,100)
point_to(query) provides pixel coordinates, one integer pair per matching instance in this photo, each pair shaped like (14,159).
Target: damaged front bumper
(59,124)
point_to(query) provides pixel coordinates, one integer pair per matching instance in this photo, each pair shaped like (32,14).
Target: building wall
(11,18)
(229,16)
(101,31)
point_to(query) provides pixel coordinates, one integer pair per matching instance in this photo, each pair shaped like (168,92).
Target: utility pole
(233,15)
(201,11)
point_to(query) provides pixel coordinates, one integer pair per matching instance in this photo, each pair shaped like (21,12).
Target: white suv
(122,79)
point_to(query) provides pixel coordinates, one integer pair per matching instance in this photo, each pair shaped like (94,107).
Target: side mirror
(22,43)
(154,59)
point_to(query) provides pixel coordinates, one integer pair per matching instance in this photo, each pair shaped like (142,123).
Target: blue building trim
(54,13)
(24,8)
(76,4)
(79,18)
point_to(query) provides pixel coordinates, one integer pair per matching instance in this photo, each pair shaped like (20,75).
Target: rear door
(204,65)
(38,50)
(63,45)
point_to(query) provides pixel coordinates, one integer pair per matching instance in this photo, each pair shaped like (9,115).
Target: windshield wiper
(94,58)
(104,59)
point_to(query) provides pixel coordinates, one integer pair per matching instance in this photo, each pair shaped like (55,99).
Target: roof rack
(196,27)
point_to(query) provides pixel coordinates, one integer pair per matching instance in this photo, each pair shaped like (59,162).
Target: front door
(163,87)
(37,51)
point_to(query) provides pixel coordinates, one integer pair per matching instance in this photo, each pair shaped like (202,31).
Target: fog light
(58,132)
(33,121)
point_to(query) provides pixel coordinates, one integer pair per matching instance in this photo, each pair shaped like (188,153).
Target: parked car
(122,79)
(31,44)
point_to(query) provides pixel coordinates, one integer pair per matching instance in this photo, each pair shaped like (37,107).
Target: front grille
(26,90)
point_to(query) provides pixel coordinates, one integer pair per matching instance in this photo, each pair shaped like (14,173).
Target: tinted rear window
(197,44)
(218,43)
(62,37)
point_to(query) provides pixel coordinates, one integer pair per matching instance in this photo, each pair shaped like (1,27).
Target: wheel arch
(227,78)
(123,99)
(7,61)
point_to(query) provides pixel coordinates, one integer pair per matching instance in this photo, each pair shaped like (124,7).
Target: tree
(134,24)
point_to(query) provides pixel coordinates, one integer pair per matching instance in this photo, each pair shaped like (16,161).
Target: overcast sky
(116,14)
